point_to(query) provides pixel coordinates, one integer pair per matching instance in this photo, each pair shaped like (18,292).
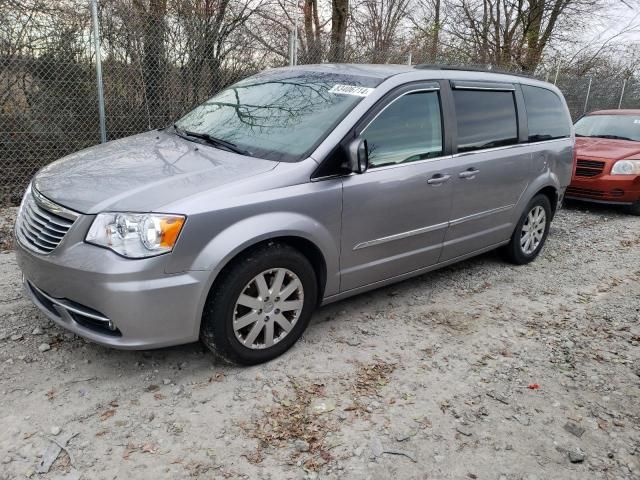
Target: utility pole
(624,84)
(586,100)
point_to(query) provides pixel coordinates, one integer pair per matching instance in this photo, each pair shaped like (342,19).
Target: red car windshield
(618,127)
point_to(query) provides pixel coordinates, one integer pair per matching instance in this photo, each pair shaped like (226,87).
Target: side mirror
(358,156)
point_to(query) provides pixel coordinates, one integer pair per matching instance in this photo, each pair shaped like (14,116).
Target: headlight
(626,167)
(136,235)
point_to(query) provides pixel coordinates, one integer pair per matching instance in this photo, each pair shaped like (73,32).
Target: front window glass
(279,115)
(485,119)
(621,127)
(409,129)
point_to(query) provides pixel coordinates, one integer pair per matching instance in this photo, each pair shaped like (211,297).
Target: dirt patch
(7,220)
(481,370)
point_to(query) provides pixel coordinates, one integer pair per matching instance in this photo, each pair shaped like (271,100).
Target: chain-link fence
(158,59)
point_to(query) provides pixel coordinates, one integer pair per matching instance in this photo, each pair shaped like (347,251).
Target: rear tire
(245,321)
(531,232)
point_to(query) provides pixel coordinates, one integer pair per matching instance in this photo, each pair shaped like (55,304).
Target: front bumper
(613,189)
(113,301)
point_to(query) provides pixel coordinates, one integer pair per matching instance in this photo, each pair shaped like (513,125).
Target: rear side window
(485,119)
(546,116)
(407,130)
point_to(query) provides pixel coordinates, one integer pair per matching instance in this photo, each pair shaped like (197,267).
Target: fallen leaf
(107,414)
(128,451)
(149,448)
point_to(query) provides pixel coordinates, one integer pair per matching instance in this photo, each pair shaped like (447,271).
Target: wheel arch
(301,232)
(303,245)
(551,192)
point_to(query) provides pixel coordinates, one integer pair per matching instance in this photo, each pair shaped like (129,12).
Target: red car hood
(607,149)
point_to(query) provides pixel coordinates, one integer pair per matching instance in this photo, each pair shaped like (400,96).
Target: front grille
(42,224)
(584,192)
(589,168)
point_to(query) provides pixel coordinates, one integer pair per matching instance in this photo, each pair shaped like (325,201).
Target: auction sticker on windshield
(351,90)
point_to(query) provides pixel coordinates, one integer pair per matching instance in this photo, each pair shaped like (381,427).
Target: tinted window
(279,115)
(622,127)
(485,119)
(409,129)
(546,116)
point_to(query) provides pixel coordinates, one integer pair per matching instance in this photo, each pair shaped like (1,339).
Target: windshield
(623,127)
(278,115)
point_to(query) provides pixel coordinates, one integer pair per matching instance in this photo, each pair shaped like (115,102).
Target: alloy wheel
(533,230)
(268,308)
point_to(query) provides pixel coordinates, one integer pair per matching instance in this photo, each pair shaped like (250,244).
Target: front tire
(260,306)
(634,209)
(531,232)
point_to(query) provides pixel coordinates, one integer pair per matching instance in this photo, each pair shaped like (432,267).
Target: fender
(250,231)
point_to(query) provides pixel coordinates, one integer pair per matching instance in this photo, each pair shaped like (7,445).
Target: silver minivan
(290,189)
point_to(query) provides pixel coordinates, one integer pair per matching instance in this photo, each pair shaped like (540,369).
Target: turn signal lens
(170,229)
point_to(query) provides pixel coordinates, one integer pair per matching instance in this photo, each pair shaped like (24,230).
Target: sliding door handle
(470,173)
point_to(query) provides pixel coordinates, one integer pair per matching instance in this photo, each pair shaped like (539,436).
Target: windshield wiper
(612,137)
(211,140)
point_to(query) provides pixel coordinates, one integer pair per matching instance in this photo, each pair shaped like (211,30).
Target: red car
(608,159)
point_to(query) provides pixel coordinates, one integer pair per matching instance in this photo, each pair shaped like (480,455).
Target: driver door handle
(438,179)
(470,173)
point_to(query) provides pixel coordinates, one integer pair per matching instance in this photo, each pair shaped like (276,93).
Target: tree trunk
(534,30)
(484,45)
(339,16)
(435,39)
(312,32)
(154,60)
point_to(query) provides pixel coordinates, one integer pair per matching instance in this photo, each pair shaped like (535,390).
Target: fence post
(291,59)
(96,42)
(409,59)
(586,100)
(624,84)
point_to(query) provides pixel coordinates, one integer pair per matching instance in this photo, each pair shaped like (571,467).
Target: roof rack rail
(429,66)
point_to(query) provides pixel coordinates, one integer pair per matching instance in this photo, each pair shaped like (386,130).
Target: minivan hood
(605,148)
(142,173)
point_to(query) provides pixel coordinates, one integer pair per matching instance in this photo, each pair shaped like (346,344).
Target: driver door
(395,215)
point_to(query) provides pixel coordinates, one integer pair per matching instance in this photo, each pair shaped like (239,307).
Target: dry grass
(371,377)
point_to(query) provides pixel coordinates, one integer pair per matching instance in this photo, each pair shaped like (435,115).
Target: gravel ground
(480,370)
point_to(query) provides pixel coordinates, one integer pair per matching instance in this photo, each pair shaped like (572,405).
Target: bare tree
(514,33)
(426,19)
(377,24)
